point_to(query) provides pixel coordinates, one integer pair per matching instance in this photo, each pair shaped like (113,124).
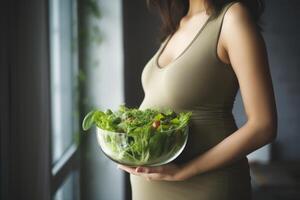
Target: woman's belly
(205,134)
(229,183)
(207,127)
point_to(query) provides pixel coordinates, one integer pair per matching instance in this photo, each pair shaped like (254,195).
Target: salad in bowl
(135,137)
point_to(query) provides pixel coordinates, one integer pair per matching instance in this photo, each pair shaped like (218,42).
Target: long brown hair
(171,11)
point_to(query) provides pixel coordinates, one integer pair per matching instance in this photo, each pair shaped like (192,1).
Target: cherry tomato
(156,124)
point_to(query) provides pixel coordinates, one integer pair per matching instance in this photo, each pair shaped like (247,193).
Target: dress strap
(217,27)
(224,10)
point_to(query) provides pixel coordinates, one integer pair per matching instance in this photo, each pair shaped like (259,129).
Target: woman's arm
(247,53)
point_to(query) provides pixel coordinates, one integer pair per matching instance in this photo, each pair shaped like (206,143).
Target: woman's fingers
(127,168)
(158,169)
(152,173)
(141,169)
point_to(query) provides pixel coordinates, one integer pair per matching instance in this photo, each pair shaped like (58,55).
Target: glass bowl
(160,147)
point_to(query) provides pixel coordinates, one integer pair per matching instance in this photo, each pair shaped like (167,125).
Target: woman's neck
(195,6)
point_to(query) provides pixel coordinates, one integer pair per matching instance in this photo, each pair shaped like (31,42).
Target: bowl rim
(114,132)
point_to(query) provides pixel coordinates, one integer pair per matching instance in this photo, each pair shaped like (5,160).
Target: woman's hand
(168,172)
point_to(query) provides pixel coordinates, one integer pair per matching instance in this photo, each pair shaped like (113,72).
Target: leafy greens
(146,136)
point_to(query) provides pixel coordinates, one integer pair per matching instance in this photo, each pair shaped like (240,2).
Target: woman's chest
(193,79)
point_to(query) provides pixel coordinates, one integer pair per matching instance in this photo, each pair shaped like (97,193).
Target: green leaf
(88,120)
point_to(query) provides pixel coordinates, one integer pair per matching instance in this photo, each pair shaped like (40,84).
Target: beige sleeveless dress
(196,81)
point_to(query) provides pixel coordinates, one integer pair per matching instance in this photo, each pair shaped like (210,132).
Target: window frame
(69,161)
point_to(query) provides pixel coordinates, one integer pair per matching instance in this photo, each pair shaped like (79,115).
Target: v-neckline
(185,49)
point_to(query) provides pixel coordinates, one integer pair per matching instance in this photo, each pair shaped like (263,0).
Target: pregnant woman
(209,50)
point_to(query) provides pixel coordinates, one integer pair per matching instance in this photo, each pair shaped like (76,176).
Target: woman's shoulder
(238,22)
(236,14)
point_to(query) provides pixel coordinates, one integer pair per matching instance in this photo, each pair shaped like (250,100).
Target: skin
(188,28)
(243,46)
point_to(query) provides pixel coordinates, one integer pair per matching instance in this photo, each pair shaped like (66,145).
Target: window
(64,103)
(68,189)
